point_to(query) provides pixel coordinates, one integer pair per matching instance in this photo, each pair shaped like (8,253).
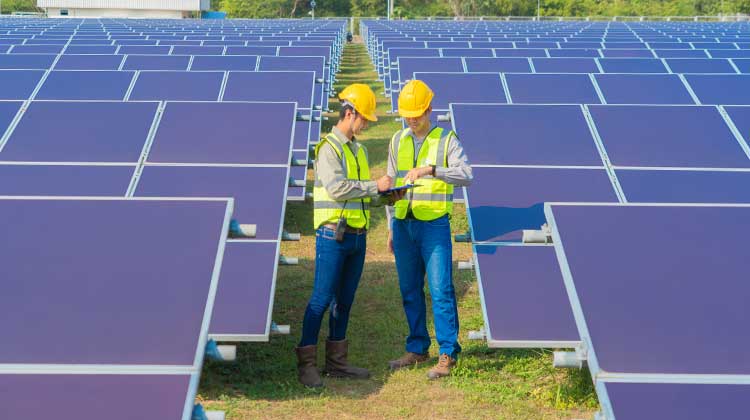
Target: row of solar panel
(166,49)
(633,89)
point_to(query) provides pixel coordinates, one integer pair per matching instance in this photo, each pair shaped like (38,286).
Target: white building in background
(157,9)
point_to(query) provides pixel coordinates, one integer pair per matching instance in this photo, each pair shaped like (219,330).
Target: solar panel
(90,49)
(740,116)
(65,180)
(519,52)
(196,50)
(515,279)
(144,49)
(666,186)
(720,89)
(177,86)
(503,201)
(632,401)
(667,136)
(527,135)
(58,295)
(700,65)
(551,89)
(89,62)
(681,53)
(37,49)
(565,65)
(287,86)
(156,62)
(244,299)
(467,52)
(573,53)
(86,85)
(258,50)
(729,53)
(19,84)
(104,396)
(224,63)
(81,132)
(407,66)
(498,65)
(26,61)
(463,87)
(643,89)
(8,111)
(632,65)
(238,133)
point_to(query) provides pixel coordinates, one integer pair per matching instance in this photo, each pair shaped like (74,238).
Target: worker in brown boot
(343,195)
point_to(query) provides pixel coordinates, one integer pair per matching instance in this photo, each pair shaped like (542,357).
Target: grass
(486,384)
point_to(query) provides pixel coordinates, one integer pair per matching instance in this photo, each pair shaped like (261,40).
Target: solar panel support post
(288,260)
(286,236)
(541,236)
(481,334)
(277,329)
(570,359)
(463,237)
(465,265)
(444,117)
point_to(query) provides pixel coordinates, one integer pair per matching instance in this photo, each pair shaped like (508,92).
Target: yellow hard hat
(414,99)
(362,98)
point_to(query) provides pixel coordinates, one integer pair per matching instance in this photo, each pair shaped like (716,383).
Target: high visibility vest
(326,209)
(433,198)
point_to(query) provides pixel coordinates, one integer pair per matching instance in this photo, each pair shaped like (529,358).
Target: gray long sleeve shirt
(329,170)
(458,173)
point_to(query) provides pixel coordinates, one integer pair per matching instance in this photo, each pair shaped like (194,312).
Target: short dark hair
(342,111)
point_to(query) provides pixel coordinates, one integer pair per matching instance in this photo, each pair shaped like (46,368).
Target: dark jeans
(425,248)
(338,266)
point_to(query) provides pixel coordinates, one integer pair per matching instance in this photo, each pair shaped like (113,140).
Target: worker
(433,159)
(343,195)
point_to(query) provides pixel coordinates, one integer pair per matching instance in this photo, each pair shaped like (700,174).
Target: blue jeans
(425,248)
(338,266)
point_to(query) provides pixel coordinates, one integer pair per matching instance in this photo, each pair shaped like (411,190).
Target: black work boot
(337,365)
(307,366)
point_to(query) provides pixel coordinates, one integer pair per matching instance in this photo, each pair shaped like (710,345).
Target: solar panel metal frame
(194,370)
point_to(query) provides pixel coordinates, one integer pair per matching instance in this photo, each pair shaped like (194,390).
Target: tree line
(458,8)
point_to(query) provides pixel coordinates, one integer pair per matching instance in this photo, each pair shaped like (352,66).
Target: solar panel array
(603,112)
(151,109)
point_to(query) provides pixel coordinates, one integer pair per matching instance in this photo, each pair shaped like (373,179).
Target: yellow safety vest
(433,198)
(326,209)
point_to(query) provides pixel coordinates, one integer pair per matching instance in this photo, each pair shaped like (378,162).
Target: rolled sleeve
(459,171)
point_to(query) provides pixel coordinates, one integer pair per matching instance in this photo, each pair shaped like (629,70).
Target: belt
(348,229)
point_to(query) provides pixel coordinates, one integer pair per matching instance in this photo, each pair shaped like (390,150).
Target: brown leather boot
(307,366)
(337,365)
(443,367)
(408,359)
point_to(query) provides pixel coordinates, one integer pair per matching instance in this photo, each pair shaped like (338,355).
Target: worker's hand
(417,173)
(384,183)
(395,196)
(390,241)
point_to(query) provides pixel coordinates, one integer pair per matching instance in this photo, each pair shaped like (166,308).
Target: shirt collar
(341,136)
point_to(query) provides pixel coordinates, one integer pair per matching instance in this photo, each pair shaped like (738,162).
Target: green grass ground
(486,384)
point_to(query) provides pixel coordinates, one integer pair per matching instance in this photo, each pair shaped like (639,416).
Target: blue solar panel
(551,89)
(91,49)
(681,53)
(26,61)
(19,84)
(177,86)
(514,279)
(632,65)
(273,86)
(37,49)
(467,52)
(463,87)
(643,89)
(268,50)
(503,201)
(743,64)
(224,62)
(144,50)
(668,186)
(86,85)
(700,65)
(196,50)
(8,111)
(520,52)
(665,278)
(574,53)
(622,53)
(407,66)
(667,136)
(531,135)
(228,126)
(721,89)
(156,62)
(65,180)
(89,62)
(729,53)
(498,65)
(81,132)
(565,65)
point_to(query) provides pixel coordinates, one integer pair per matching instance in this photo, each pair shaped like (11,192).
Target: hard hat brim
(412,114)
(369,117)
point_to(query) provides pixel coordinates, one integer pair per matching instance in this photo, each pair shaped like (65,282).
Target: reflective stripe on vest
(326,209)
(434,197)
